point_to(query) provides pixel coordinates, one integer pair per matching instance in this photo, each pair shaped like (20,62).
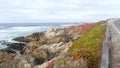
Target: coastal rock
(8,50)
(6,57)
(36,37)
(24,61)
(40,54)
(20,61)
(34,43)
(57,39)
(31,46)
(53,32)
(29,50)
(18,46)
(13,47)
(56,49)
(21,39)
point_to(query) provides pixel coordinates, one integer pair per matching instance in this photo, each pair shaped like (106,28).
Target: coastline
(41,49)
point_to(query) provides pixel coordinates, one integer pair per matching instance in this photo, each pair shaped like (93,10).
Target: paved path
(117,24)
(114,26)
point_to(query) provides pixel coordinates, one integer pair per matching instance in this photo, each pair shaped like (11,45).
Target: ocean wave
(8,33)
(23,29)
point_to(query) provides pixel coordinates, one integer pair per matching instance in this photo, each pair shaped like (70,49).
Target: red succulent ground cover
(82,29)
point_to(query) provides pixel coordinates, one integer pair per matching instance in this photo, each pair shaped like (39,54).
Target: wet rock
(4,42)
(8,50)
(17,46)
(21,39)
(14,47)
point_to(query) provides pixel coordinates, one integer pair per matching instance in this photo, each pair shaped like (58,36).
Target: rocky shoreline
(40,49)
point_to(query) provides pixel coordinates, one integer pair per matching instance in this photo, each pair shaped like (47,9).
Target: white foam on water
(22,29)
(7,34)
(2,46)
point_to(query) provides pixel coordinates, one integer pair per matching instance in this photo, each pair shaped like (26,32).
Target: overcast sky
(13,11)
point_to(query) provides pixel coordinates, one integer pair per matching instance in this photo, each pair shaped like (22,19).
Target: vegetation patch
(86,51)
(89,46)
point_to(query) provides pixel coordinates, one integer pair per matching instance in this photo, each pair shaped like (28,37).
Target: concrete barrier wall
(105,55)
(112,39)
(106,49)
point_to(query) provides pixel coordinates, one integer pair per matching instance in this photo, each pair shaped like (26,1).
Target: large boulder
(31,46)
(40,54)
(36,37)
(53,32)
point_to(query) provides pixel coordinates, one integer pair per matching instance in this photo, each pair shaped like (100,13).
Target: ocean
(8,31)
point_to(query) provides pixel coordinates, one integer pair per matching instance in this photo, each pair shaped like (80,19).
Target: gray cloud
(57,10)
